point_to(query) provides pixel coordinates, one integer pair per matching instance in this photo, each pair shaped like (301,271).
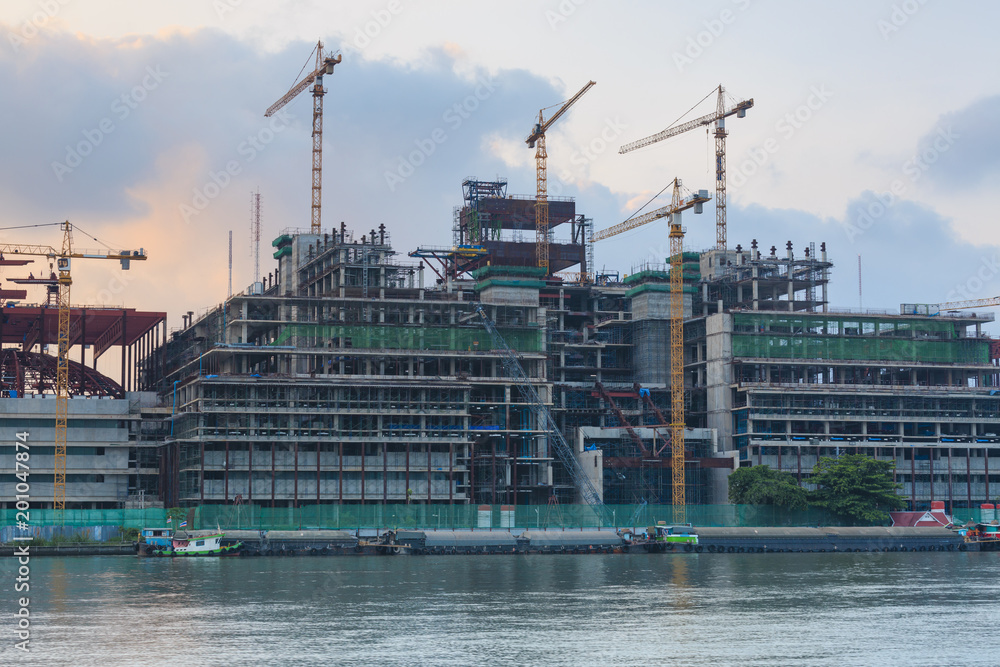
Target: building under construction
(783,379)
(351,375)
(114,427)
(492,227)
(344,378)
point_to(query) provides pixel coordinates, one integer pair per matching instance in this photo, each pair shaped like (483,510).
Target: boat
(661,538)
(985,535)
(163,542)
(150,538)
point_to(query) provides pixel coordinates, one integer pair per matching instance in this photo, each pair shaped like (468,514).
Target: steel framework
(543,416)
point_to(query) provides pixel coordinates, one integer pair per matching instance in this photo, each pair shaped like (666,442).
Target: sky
(874,129)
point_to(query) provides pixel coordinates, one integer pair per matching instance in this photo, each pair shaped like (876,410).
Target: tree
(760,485)
(856,487)
(175,516)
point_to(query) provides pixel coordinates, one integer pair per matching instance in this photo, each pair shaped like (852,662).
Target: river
(637,609)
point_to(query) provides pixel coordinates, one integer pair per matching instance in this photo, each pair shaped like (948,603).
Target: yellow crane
(719,118)
(678,203)
(536,140)
(971,303)
(324,65)
(62,259)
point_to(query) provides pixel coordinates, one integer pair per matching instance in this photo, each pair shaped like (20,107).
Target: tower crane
(62,259)
(678,203)
(536,140)
(719,118)
(971,303)
(324,65)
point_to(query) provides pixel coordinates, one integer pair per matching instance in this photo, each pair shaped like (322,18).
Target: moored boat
(185,545)
(985,535)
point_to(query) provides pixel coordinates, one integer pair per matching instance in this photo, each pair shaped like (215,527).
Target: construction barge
(655,539)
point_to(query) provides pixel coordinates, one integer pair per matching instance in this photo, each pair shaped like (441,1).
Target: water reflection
(838,609)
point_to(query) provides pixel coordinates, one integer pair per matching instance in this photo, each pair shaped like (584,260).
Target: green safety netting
(411,337)
(765,346)
(428,517)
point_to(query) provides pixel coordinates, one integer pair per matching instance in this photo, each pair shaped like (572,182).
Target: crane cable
(649,202)
(44,224)
(688,111)
(91,236)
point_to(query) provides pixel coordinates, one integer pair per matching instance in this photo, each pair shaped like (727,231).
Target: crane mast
(536,140)
(719,118)
(62,370)
(541,202)
(677,362)
(324,65)
(720,172)
(678,204)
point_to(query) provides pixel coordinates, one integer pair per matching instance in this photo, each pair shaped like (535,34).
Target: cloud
(157,141)
(399,140)
(972,158)
(910,254)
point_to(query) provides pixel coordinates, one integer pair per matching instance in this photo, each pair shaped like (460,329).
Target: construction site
(499,369)
(94,440)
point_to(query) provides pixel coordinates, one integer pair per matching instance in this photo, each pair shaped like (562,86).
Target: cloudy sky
(874,129)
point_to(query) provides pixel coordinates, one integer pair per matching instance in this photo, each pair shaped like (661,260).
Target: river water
(636,609)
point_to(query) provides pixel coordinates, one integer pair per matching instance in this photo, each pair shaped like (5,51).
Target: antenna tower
(255,233)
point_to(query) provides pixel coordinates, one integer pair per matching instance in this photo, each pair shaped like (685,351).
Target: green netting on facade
(646,275)
(692,272)
(525,284)
(431,517)
(658,287)
(847,325)
(411,337)
(765,346)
